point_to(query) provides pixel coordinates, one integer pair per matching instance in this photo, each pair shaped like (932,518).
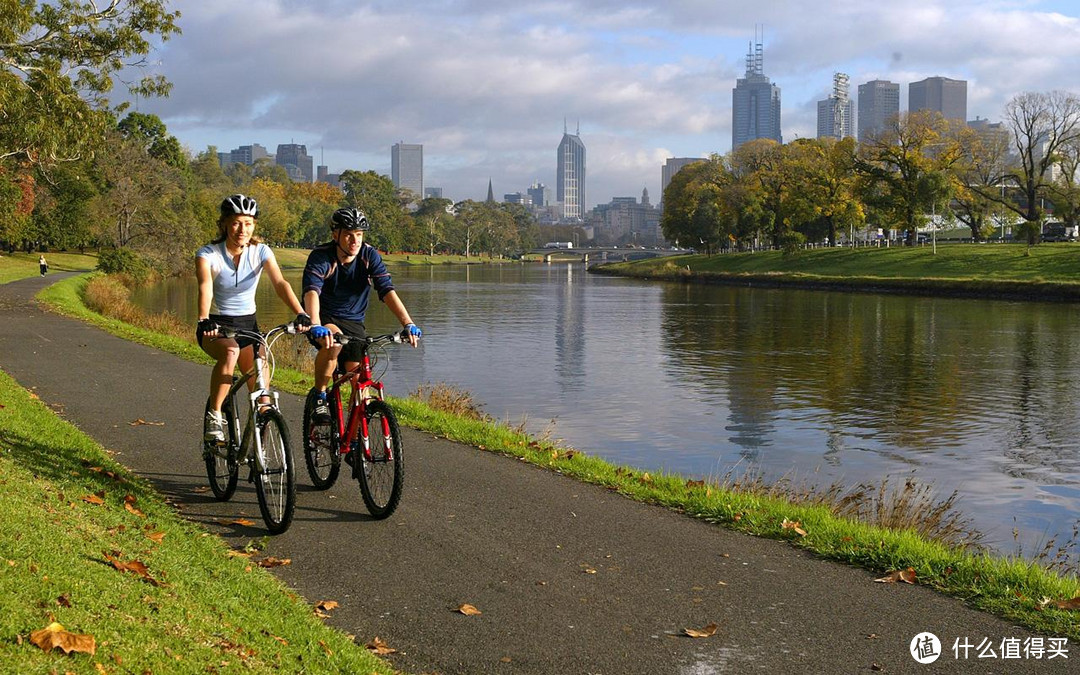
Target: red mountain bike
(365,435)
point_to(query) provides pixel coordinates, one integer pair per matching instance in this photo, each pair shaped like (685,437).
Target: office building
(407,167)
(570,176)
(755,103)
(879,103)
(294,158)
(940,94)
(836,114)
(670,168)
(539,194)
(433,193)
(245,154)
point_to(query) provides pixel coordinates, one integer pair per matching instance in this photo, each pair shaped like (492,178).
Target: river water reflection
(977,396)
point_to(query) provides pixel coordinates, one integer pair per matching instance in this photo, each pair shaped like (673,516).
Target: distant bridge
(602,254)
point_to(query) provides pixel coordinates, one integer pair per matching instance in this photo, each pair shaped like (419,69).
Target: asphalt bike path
(569,577)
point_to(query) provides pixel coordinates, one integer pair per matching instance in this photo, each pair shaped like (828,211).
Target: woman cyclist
(228,271)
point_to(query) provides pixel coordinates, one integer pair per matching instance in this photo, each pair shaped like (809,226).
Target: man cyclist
(337,283)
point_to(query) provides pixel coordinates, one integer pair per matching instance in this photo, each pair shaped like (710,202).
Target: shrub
(791,242)
(124,261)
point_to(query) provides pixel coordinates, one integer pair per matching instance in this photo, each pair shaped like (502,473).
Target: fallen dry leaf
(64,600)
(131,509)
(379,647)
(907,576)
(793,525)
(325,648)
(135,567)
(54,636)
(468,610)
(271,561)
(705,632)
(141,421)
(93,499)
(242,521)
(156,537)
(326,605)
(1073,604)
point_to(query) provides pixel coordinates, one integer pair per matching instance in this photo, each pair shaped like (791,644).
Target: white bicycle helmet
(239,205)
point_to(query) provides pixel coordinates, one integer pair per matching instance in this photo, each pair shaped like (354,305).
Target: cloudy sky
(485,89)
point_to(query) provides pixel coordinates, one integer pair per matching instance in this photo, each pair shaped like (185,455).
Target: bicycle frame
(364,389)
(262,389)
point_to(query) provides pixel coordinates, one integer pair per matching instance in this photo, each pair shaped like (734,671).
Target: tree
(137,189)
(376,196)
(1041,124)
(906,169)
(697,211)
(433,216)
(830,185)
(150,132)
(983,159)
(1065,191)
(58,61)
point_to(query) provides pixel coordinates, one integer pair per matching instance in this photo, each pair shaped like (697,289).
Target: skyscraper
(407,167)
(570,175)
(879,102)
(836,114)
(755,103)
(296,161)
(941,94)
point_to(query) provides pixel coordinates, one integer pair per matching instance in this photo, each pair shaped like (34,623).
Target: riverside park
(578,557)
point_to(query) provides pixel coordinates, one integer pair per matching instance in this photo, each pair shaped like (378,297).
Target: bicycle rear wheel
(382,470)
(275,475)
(320,446)
(221,466)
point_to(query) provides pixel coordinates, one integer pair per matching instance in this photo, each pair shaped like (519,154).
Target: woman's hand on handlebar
(207,328)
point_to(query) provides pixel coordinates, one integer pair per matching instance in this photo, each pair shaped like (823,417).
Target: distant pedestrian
(42,265)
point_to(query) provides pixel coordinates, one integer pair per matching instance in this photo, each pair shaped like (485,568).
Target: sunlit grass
(66,508)
(22,265)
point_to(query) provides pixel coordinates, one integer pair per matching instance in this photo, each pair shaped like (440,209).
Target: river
(976,396)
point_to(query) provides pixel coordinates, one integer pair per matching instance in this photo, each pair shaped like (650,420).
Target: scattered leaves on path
(242,521)
(468,610)
(271,561)
(54,636)
(141,422)
(707,631)
(379,647)
(793,525)
(907,576)
(323,607)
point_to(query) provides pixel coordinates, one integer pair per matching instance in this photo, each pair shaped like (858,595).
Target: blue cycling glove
(319,332)
(412,329)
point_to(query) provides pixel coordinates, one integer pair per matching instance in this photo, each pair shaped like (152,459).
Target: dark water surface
(978,396)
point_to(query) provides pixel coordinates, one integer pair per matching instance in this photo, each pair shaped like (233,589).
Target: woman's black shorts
(246,322)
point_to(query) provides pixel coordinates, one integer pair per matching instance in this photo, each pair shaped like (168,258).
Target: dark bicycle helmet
(239,205)
(349,219)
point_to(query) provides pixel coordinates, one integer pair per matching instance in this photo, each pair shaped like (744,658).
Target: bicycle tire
(382,471)
(320,447)
(223,471)
(275,481)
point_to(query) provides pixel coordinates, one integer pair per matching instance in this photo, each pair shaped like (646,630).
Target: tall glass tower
(755,103)
(570,176)
(407,167)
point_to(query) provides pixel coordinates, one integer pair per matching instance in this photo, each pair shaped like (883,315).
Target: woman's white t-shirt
(234,285)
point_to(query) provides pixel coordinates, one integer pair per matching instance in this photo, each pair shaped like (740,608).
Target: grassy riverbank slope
(1046,271)
(22,265)
(1027,592)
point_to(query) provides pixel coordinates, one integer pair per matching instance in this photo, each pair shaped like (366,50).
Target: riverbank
(989,583)
(1049,272)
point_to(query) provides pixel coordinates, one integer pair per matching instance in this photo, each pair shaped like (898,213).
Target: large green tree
(58,62)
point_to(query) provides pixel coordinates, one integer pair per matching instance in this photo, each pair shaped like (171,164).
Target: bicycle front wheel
(382,470)
(320,447)
(275,475)
(221,466)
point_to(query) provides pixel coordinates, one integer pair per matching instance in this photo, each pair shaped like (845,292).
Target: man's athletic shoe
(214,427)
(321,413)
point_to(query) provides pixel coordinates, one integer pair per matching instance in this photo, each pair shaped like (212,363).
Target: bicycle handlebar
(289,328)
(398,338)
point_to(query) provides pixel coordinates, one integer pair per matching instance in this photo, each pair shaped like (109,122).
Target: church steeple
(491,193)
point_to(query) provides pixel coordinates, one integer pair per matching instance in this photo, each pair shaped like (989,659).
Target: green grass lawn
(88,545)
(1057,263)
(22,265)
(295,258)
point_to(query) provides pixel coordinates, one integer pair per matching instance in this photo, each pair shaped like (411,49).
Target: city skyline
(485,89)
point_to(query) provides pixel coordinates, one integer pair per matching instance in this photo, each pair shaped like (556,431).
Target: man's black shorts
(353,351)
